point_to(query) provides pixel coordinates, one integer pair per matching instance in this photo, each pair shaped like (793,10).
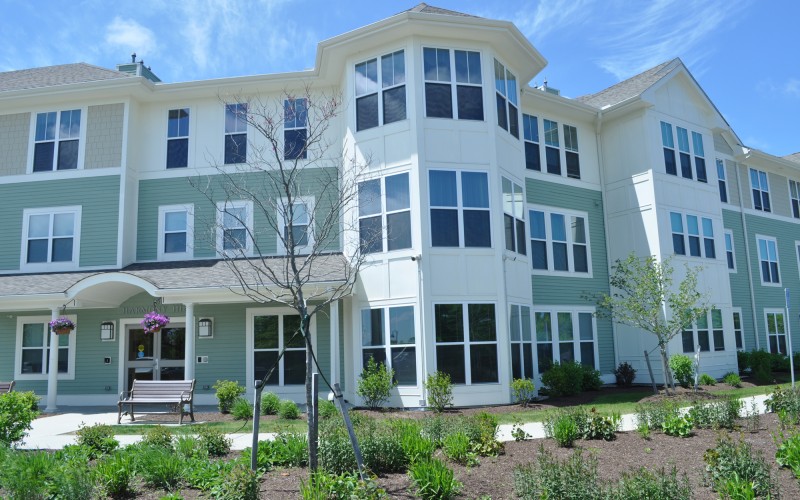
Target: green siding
(99,199)
(569,291)
(179,191)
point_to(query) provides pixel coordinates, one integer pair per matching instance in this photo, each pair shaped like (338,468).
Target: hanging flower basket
(153,322)
(62,325)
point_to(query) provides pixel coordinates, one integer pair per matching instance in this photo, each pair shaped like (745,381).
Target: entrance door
(155,356)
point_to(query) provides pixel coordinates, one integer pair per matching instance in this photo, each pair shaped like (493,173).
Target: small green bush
(158,437)
(335,451)
(682,367)
(375,384)
(159,467)
(270,402)
(213,441)
(73,480)
(288,410)
(242,409)
(523,390)
(115,474)
(228,391)
(761,366)
(716,414)
(17,411)
(743,360)
(548,477)
(286,450)
(98,438)
(440,391)
(457,448)
(706,379)
(564,430)
(784,400)
(327,409)
(382,449)
(25,474)
(239,483)
(625,374)
(788,454)
(652,485)
(732,379)
(590,381)
(189,447)
(655,414)
(416,446)
(563,379)
(434,480)
(324,485)
(729,461)
(678,426)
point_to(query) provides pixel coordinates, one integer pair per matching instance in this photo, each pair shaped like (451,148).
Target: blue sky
(744,53)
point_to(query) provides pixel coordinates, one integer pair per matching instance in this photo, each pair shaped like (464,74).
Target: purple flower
(62,323)
(153,321)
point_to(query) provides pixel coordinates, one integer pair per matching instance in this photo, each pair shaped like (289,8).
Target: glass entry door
(155,356)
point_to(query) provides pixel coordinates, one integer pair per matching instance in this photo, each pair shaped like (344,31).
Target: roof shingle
(629,88)
(51,76)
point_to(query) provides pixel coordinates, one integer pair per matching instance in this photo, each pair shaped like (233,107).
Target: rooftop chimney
(137,68)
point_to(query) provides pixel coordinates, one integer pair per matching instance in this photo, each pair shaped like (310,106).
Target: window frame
(49,265)
(531,141)
(697,330)
(57,140)
(466,342)
(178,137)
(728,237)
(381,89)
(523,346)
(221,209)
(386,335)
(384,214)
(722,181)
(764,204)
(506,99)
(251,314)
(738,333)
(775,312)
(555,341)
(702,238)
(162,212)
(460,208)
(686,150)
(453,83)
(519,243)
(549,241)
(240,123)
(295,128)
(23,320)
(794,198)
(761,260)
(309,202)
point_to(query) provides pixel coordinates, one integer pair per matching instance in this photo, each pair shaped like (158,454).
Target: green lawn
(266,425)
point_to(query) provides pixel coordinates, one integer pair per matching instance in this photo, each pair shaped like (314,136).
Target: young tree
(300,187)
(643,297)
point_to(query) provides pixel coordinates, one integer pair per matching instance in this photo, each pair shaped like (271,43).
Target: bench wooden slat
(178,392)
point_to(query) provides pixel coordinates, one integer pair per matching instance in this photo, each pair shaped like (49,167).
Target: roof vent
(137,68)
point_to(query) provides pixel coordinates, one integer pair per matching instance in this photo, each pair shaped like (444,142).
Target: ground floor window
(33,350)
(706,333)
(737,330)
(271,333)
(565,336)
(776,331)
(388,335)
(466,342)
(521,342)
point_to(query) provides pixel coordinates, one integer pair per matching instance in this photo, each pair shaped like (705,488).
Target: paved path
(56,431)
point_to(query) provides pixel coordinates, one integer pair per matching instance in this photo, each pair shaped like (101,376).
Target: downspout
(423,338)
(747,254)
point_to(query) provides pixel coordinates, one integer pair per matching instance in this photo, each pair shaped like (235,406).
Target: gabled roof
(50,76)
(795,157)
(629,88)
(430,9)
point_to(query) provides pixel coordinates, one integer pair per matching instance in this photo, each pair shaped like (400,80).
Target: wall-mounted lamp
(107,330)
(204,328)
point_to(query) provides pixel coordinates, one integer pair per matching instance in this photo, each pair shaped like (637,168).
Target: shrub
(625,374)
(213,441)
(784,400)
(17,411)
(440,391)
(738,461)
(73,479)
(189,447)
(115,474)
(597,426)
(346,485)
(548,477)
(706,379)
(158,437)
(434,480)
(523,390)
(716,414)
(327,409)
(678,426)
(270,402)
(288,410)
(159,467)
(286,450)
(482,432)
(732,379)
(239,483)
(98,438)
(563,379)
(761,366)
(242,409)
(590,381)
(204,474)
(788,454)
(335,451)
(416,446)
(375,384)
(228,391)
(779,362)
(653,485)
(457,448)
(682,367)
(743,360)
(25,475)
(654,414)
(382,448)
(563,429)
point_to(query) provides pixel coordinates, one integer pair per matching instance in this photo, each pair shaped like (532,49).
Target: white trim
(222,206)
(189,211)
(761,259)
(22,320)
(767,312)
(550,271)
(76,211)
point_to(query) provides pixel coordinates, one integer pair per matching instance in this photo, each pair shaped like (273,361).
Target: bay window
(466,342)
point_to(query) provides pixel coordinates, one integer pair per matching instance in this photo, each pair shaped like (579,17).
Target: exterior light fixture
(204,328)
(107,330)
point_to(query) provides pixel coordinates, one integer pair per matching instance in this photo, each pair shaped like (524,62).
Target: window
(768,257)
(235,133)
(729,256)
(459,209)
(300,213)
(685,151)
(234,227)
(384,203)
(271,333)
(559,242)
(506,86)
(700,245)
(669,148)
(440,99)
(760,187)
(565,336)
(178,138)
(50,237)
(521,342)
(388,335)
(175,232)
(701,335)
(571,152)
(513,218)
(295,132)
(776,331)
(717,330)
(699,154)
(384,104)
(551,151)
(530,132)
(794,194)
(737,330)
(722,180)
(57,142)
(32,357)
(466,342)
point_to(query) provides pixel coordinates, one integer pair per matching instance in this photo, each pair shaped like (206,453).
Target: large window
(707,333)
(301,226)
(530,133)
(668,142)
(271,333)
(571,152)
(175,232)
(295,131)
(388,335)
(50,237)
(384,203)
(453,96)
(460,214)
(466,342)
(385,102)
(768,259)
(507,111)
(559,242)
(552,152)
(57,140)
(699,157)
(521,342)
(760,188)
(722,180)
(235,133)
(564,335)
(513,217)
(689,227)
(729,255)
(32,357)
(685,152)
(553,159)
(178,138)
(776,331)
(234,227)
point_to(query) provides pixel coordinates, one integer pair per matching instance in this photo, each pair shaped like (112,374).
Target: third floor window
(381,90)
(57,141)
(449,95)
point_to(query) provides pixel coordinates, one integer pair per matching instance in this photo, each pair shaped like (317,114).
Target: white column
(52,374)
(334,342)
(188,371)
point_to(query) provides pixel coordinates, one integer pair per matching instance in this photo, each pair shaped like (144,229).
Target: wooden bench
(148,392)
(6,387)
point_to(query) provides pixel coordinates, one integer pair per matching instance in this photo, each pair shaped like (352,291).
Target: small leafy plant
(288,410)
(434,480)
(682,367)
(228,391)
(729,461)
(440,391)
(625,374)
(706,379)
(270,402)
(732,379)
(17,411)
(375,384)
(457,448)
(214,442)
(98,438)
(241,409)
(523,390)
(678,426)
(158,437)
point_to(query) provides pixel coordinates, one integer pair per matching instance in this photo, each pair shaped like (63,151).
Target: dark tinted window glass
(560,262)
(235,148)
(532,160)
(476,228)
(177,153)
(367,112)
(669,161)
(573,165)
(581,259)
(62,250)
(553,161)
(294,144)
(370,234)
(394,104)
(522,248)
(483,363)
(449,320)
(398,230)
(450,360)
(502,116)
(294,367)
(513,121)
(262,362)
(539,254)
(438,101)
(444,227)
(686,165)
(470,102)
(700,165)
(174,242)
(37,251)
(67,155)
(404,364)
(43,156)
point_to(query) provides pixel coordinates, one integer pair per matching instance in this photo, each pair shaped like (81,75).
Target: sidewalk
(55,432)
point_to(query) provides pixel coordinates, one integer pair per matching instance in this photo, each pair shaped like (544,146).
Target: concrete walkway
(56,431)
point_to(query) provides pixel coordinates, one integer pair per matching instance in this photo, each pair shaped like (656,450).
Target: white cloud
(548,17)
(792,87)
(130,35)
